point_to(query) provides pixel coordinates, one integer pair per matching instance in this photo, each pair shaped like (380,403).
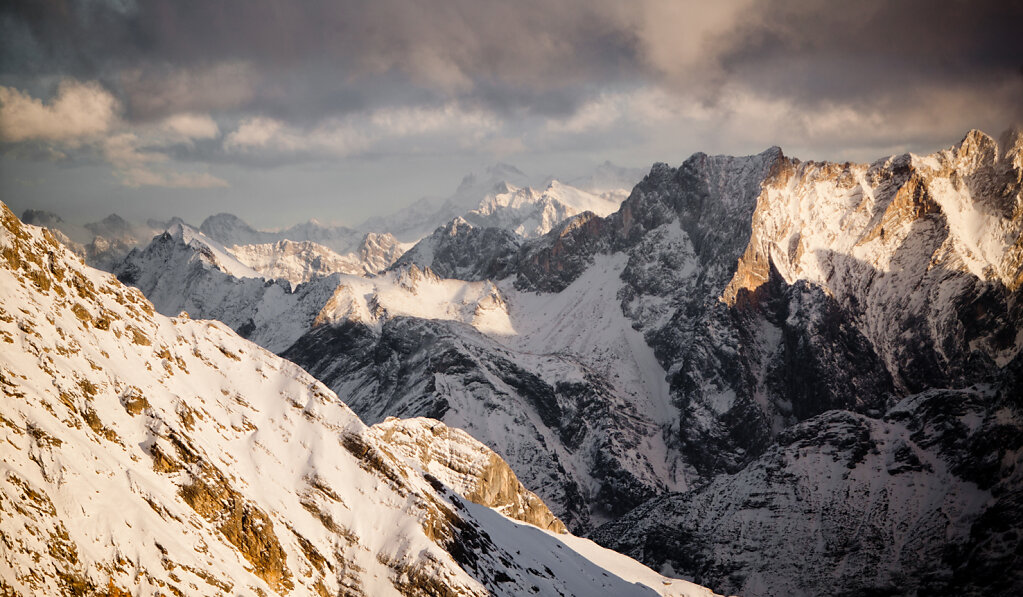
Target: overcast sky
(282,110)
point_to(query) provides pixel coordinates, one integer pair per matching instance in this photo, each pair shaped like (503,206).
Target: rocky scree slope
(153,455)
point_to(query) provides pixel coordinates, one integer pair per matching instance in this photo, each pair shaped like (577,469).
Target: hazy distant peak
(502,169)
(608,177)
(224,220)
(164,225)
(40,217)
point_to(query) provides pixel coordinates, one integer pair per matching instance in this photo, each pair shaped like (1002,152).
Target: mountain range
(764,375)
(156,455)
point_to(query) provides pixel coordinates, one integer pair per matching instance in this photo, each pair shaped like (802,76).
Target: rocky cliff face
(466,466)
(464,251)
(156,455)
(773,290)
(923,500)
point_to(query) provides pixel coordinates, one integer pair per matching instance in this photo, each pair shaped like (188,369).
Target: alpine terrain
(153,455)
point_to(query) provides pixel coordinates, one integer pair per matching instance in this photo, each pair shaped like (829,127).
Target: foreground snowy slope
(160,455)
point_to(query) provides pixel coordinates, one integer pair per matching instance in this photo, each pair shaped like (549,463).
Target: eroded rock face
(466,466)
(773,290)
(903,504)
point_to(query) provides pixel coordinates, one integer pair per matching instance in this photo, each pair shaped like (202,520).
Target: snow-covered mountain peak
(1011,142)
(101,244)
(504,171)
(207,251)
(111,226)
(504,197)
(226,227)
(456,225)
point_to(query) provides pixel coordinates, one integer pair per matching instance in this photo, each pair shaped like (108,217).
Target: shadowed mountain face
(749,340)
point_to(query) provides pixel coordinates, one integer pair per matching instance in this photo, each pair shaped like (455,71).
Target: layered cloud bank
(272,86)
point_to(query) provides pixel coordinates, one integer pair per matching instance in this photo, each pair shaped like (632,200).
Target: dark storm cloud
(307,60)
(814,51)
(291,81)
(167,56)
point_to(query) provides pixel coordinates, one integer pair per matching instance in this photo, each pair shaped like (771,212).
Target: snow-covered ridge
(299,262)
(411,292)
(506,198)
(188,272)
(153,455)
(905,237)
(531,213)
(209,252)
(813,210)
(466,466)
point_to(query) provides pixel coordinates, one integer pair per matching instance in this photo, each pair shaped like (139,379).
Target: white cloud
(644,107)
(364,132)
(86,115)
(136,166)
(255,132)
(332,137)
(450,118)
(188,126)
(79,110)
